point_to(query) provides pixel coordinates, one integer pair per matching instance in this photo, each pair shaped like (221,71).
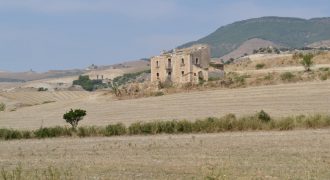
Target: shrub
(287,76)
(260,66)
(9,134)
(150,128)
(168,127)
(213,79)
(115,130)
(239,79)
(307,61)
(285,124)
(53,132)
(74,116)
(88,84)
(26,134)
(129,77)
(90,131)
(159,93)
(209,125)
(165,85)
(324,69)
(184,126)
(317,121)
(42,89)
(2,106)
(263,116)
(135,128)
(324,77)
(269,77)
(297,56)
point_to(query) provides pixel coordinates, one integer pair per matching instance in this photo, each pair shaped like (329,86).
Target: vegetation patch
(42,89)
(88,84)
(287,76)
(258,121)
(2,107)
(128,78)
(260,66)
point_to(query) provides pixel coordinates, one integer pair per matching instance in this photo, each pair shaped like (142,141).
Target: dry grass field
(277,63)
(33,98)
(243,155)
(278,100)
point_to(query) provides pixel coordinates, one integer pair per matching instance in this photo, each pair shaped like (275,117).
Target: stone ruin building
(189,65)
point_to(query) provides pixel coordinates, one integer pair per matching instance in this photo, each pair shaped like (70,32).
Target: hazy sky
(65,34)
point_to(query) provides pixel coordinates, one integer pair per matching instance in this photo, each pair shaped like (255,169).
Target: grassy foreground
(298,154)
(259,121)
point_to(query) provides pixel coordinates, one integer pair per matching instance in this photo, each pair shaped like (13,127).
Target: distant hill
(108,71)
(281,31)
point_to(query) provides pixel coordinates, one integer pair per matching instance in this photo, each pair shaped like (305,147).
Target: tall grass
(53,132)
(49,173)
(258,121)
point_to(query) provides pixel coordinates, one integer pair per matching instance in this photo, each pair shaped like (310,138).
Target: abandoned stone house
(189,65)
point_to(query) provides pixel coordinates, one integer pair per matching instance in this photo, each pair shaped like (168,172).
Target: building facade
(189,65)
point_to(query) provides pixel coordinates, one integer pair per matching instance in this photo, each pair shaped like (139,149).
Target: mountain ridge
(288,32)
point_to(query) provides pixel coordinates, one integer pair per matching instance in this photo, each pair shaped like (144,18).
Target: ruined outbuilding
(189,65)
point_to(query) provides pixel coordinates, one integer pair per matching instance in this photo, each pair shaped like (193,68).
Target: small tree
(2,106)
(263,116)
(307,61)
(74,116)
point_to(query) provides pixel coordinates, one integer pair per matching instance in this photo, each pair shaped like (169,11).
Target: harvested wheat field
(278,100)
(298,154)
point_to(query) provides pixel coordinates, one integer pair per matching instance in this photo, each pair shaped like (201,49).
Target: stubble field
(298,154)
(278,100)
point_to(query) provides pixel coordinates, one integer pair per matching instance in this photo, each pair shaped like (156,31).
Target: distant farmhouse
(189,65)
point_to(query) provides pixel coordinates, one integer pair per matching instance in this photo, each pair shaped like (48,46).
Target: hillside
(247,48)
(107,71)
(286,32)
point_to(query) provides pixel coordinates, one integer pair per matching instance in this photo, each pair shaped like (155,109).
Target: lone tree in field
(74,116)
(307,61)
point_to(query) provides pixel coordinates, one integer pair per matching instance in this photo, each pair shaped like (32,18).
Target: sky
(66,34)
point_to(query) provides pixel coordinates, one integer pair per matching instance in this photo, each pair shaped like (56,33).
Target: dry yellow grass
(278,100)
(277,63)
(33,98)
(249,155)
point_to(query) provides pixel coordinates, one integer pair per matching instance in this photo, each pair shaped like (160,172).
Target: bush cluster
(287,76)
(88,84)
(129,77)
(260,66)
(259,121)
(42,89)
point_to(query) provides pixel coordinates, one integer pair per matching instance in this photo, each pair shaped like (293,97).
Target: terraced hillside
(279,100)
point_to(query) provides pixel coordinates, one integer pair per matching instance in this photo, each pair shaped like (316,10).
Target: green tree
(307,61)
(74,116)
(89,85)
(263,116)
